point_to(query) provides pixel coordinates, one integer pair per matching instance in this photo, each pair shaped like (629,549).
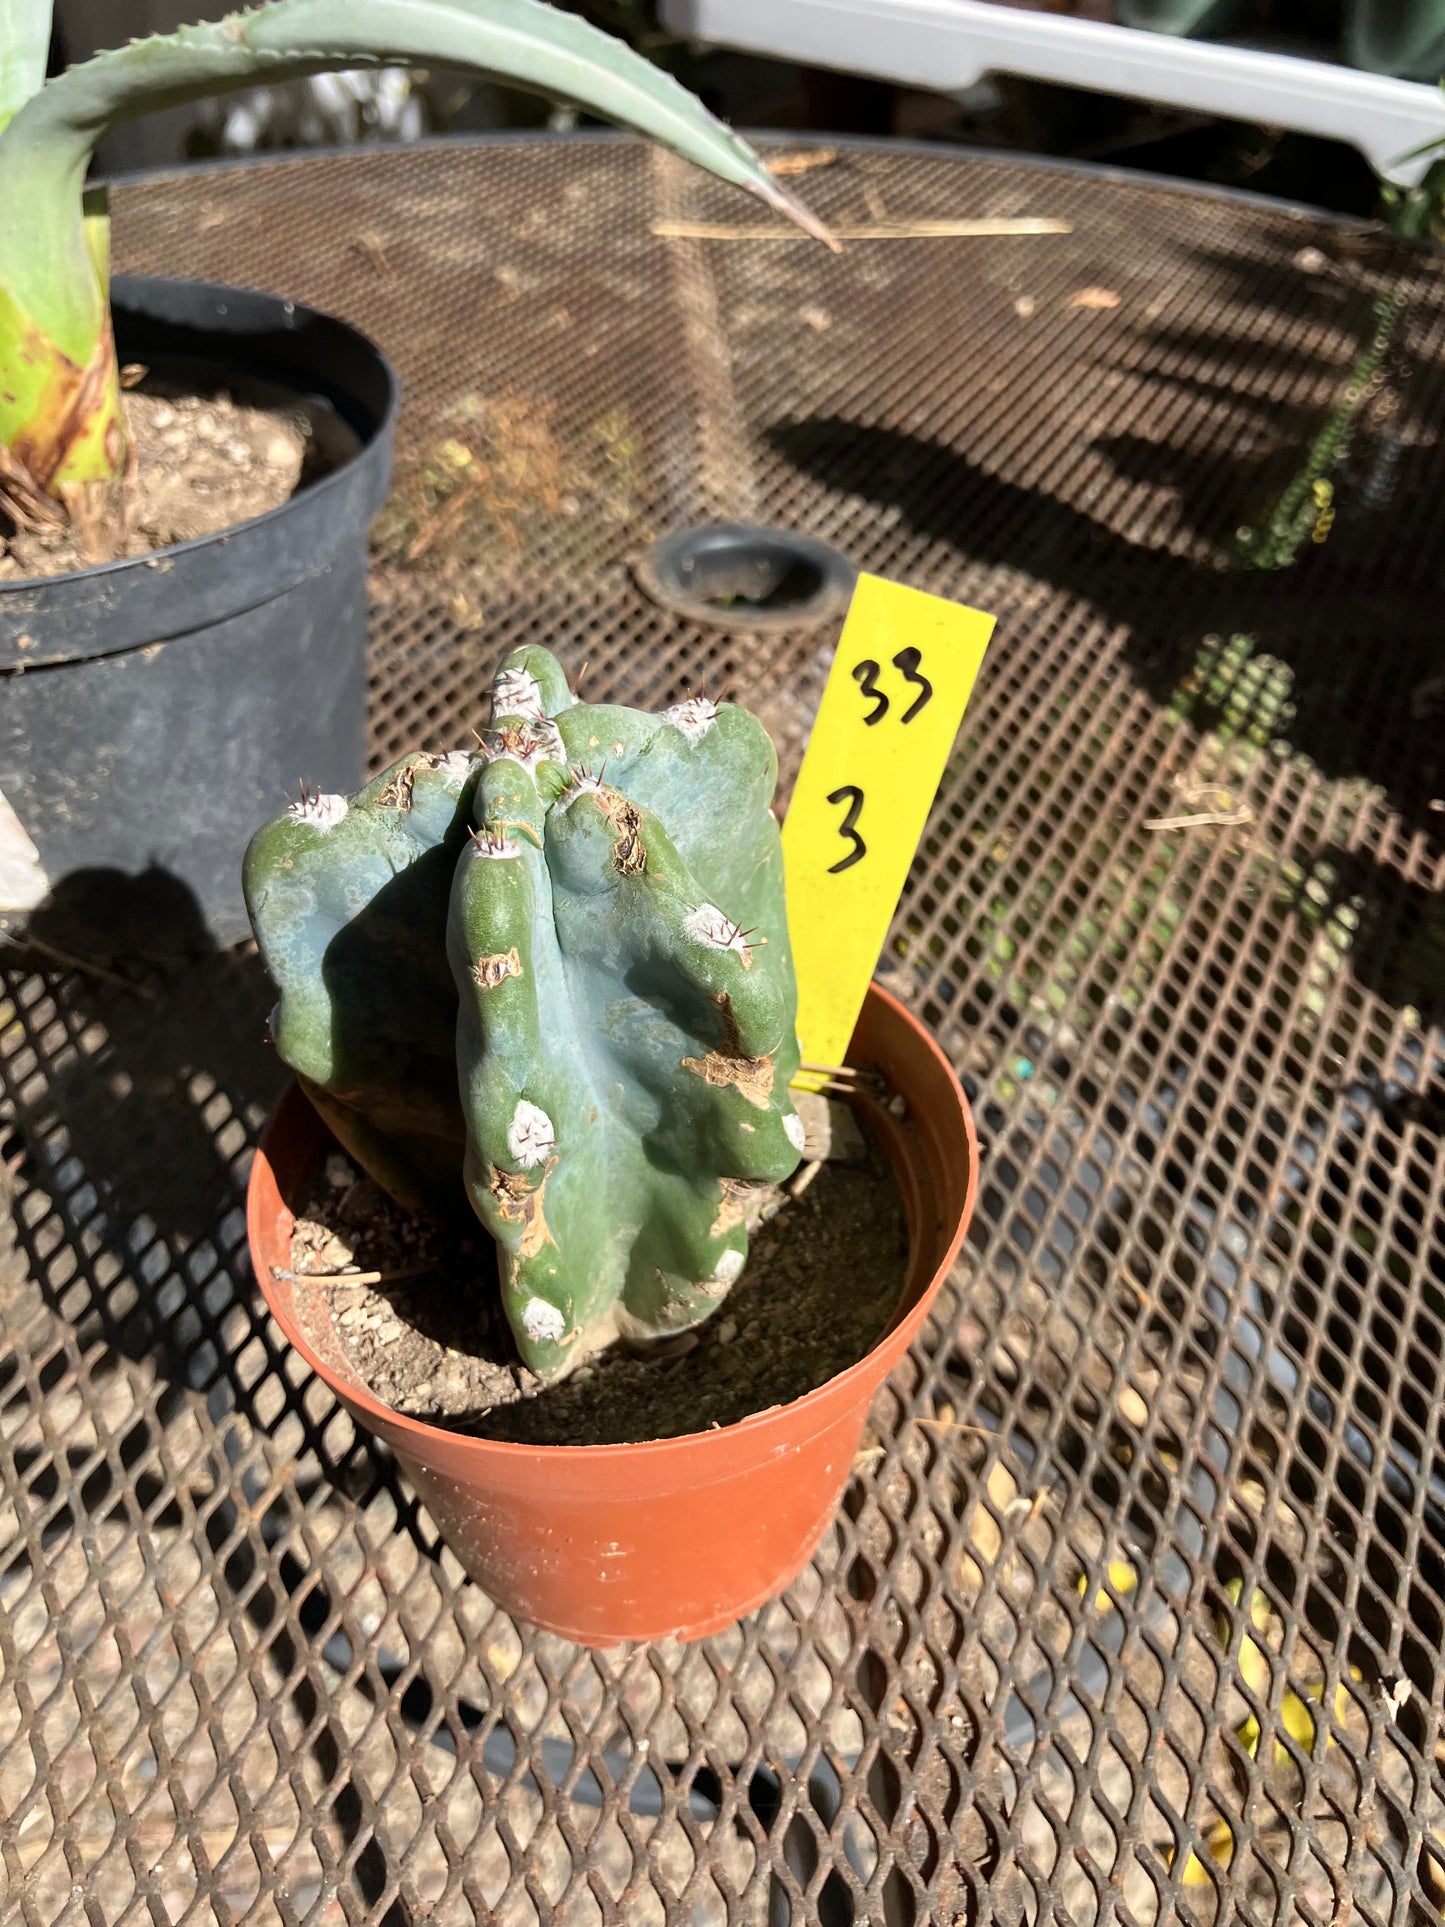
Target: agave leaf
(24,48)
(1404,37)
(59,398)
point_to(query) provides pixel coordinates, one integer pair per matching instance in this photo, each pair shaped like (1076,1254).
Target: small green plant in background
(1236,690)
(1305,510)
(1418,213)
(553,977)
(63,438)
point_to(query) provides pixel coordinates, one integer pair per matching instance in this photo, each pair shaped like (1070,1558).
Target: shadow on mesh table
(1350,639)
(134,1094)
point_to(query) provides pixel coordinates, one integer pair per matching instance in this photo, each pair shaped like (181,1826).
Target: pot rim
(120,284)
(896,1339)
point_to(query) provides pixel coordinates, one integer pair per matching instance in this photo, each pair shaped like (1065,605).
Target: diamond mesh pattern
(1134,1607)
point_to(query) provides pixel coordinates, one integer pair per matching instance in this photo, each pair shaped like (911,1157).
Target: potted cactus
(552,979)
(179,692)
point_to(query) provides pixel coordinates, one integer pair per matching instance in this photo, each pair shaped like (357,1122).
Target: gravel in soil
(204,461)
(430,1339)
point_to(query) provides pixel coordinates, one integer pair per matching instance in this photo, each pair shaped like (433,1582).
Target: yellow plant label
(901,679)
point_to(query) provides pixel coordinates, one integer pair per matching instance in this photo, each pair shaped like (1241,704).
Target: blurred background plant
(1001,113)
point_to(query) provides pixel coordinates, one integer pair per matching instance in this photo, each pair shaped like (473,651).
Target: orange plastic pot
(612,1542)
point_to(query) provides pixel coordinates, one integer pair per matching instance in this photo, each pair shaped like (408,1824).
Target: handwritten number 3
(853,797)
(906,662)
(865,674)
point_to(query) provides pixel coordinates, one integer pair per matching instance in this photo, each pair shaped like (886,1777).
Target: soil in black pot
(206,458)
(429,1338)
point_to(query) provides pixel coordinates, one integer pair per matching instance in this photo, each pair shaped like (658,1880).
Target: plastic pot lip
(868,1371)
(286,309)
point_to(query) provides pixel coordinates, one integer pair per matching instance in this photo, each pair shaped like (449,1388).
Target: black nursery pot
(153,711)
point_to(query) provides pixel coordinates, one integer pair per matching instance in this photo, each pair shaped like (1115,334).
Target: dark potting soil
(204,461)
(821,1284)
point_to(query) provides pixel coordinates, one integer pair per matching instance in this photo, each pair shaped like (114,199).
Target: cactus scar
(521,1202)
(753,1076)
(732,1208)
(397,794)
(488,972)
(528,743)
(629,856)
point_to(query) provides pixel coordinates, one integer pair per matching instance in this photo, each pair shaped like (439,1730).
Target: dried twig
(370,245)
(1029,1509)
(83,964)
(877,231)
(796,1186)
(1126,1277)
(804,162)
(346,1277)
(1218,793)
(818,1085)
(445,521)
(1207,819)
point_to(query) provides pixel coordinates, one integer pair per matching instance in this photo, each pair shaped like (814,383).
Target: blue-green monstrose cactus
(556,971)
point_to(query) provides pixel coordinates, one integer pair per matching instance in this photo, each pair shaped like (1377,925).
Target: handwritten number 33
(906,662)
(865,674)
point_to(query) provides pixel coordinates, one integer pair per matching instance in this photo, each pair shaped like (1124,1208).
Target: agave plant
(62,428)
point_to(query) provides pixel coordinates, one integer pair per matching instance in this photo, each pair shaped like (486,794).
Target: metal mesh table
(1134,1607)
